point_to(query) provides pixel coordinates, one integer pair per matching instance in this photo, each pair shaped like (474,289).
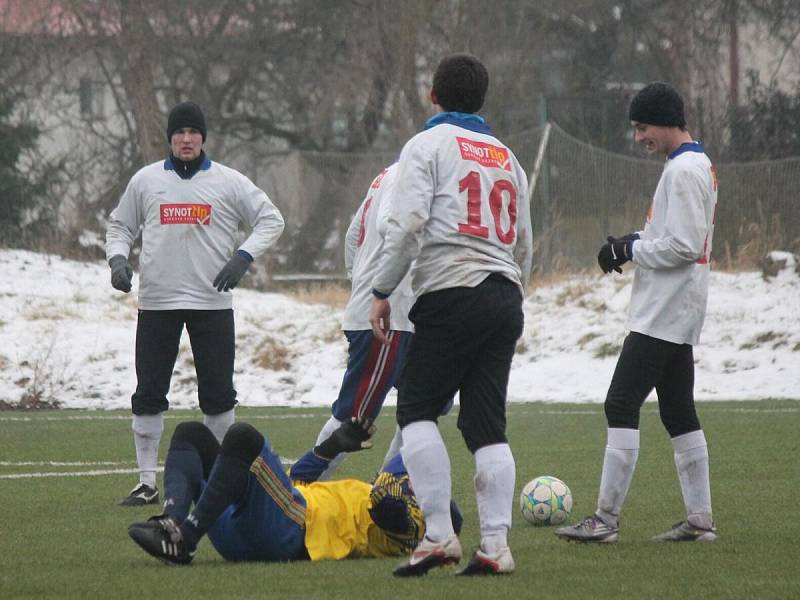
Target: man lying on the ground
(252,510)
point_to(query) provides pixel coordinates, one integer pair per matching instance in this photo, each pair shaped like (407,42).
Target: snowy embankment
(66,336)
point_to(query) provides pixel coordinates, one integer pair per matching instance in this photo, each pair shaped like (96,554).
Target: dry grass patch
(124,307)
(99,357)
(587,338)
(756,241)
(606,350)
(49,311)
(777,340)
(329,294)
(557,277)
(574,293)
(331,334)
(272,355)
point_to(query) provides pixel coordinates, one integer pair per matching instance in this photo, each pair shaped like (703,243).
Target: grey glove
(228,278)
(352,436)
(121,273)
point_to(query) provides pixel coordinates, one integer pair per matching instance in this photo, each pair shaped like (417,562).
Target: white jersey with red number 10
(363,244)
(460,202)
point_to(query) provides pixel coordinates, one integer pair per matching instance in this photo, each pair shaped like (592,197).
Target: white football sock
(394,448)
(691,460)
(219,424)
(494,490)
(428,464)
(331,425)
(147,430)
(619,463)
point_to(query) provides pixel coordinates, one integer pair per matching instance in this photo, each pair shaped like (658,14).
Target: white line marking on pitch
(512,408)
(53,463)
(701,409)
(93,473)
(72,473)
(128,417)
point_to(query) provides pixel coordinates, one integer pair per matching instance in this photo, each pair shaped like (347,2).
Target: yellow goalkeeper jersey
(338,524)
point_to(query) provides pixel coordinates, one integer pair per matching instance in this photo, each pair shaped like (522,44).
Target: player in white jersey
(188,209)
(372,367)
(459,210)
(667,309)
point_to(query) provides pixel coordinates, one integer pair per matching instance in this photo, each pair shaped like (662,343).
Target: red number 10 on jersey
(474,226)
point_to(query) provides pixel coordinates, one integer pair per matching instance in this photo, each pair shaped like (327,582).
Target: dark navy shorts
(268,523)
(372,370)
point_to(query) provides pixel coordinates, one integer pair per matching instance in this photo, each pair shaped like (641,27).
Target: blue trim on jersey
(634,236)
(379,295)
(245,255)
(309,468)
(687,147)
(469,121)
(204,166)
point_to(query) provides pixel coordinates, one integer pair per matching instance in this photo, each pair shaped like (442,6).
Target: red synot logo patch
(484,154)
(186,214)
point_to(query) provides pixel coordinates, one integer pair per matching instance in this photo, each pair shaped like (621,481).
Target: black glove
(352,436)
(121,273)
(616,252)
(228,278)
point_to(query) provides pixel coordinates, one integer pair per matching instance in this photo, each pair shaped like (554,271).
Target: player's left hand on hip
(352,436)
(228,278)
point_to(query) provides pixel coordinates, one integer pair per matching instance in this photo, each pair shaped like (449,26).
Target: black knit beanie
(186,114)
(658,103)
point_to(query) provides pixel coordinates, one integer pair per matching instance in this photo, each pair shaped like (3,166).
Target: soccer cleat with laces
(141,495)
(429,554)
(686,532)
(160,536)
(591,529)
(482,563)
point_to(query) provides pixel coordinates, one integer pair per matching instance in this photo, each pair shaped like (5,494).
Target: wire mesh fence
(585,193)
(582,194)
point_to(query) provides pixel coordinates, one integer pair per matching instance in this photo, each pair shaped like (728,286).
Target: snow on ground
(67,336)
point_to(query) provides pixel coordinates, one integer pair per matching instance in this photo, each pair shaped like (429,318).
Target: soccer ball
(545,500)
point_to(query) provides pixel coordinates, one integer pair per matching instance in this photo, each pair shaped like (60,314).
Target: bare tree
(352,76)
(138,78)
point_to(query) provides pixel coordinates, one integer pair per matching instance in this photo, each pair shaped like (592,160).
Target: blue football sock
(226,485)
(183,479)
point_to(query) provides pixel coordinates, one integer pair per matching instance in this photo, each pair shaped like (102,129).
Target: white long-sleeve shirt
(460,209)
(672,258)
(363,244)
(189,229)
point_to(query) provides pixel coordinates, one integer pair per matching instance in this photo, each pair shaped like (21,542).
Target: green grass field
(64,536)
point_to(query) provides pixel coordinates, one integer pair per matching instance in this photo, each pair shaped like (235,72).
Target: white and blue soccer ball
(545,500)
